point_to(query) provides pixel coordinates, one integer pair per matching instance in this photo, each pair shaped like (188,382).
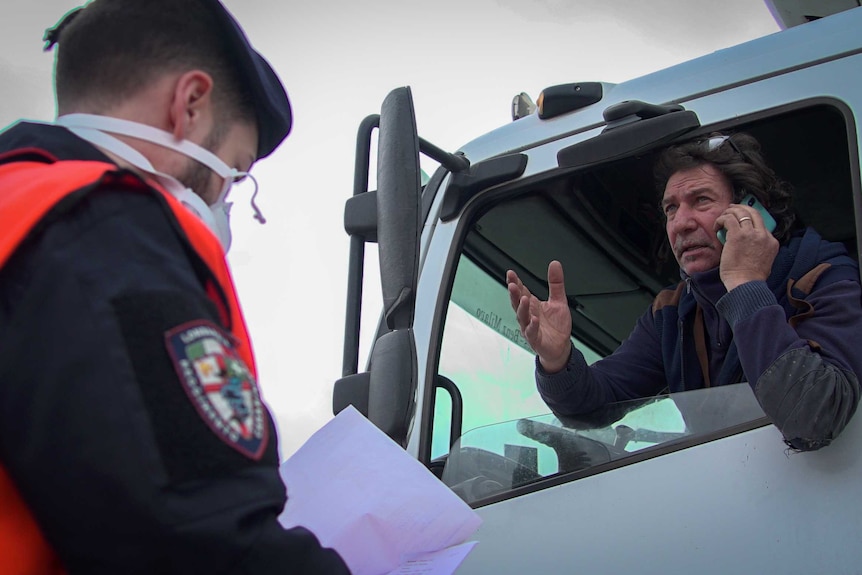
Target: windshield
(493,459)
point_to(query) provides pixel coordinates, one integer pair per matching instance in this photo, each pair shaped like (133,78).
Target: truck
(692,482)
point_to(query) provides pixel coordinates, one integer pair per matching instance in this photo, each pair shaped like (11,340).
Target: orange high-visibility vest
(29,190)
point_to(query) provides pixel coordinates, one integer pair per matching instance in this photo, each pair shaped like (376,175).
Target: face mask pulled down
(98,131)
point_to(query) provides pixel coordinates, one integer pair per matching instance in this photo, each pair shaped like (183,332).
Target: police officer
(132,435)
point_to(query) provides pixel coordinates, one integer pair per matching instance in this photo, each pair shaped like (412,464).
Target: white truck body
(698,482)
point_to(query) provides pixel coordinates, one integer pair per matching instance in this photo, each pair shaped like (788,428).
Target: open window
(604,225)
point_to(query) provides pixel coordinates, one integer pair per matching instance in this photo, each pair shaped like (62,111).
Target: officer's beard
(197,177)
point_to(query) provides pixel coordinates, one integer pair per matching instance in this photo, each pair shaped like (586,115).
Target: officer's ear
(191,112)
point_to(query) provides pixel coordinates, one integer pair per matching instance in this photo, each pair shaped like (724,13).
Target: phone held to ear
(752,202)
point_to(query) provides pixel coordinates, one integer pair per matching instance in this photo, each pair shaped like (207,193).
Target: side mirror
(398,190)
(386,395)
(392,388)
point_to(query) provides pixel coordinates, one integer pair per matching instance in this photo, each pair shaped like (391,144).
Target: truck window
(482,350)
(490,461)
(484,354)
(604,226)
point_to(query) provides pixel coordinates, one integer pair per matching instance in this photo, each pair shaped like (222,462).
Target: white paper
(437,563)
(364,496)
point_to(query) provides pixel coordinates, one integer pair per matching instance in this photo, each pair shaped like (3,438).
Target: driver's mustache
(682,245)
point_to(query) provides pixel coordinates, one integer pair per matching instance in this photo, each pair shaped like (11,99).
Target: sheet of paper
(437,563)
(365,497)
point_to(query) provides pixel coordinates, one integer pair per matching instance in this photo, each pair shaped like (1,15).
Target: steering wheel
(574,451)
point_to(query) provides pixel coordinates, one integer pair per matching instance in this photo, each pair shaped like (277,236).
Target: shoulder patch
(219,385)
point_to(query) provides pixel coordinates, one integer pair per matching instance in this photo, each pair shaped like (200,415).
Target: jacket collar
(58,142)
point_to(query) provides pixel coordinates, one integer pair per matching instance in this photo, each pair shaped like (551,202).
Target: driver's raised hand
(546,325)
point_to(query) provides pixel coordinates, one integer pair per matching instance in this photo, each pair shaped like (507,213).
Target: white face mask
(97,130)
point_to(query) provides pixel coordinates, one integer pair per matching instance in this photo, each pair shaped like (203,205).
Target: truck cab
(698,481)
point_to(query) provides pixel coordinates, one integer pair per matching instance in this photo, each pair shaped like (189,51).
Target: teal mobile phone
(751,201)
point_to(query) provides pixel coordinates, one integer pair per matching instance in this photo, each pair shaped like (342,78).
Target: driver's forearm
(571,391)
(633,371)
(805,377)
(809,400)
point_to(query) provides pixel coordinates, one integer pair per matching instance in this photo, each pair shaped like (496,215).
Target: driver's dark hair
(741,161)
(112,49)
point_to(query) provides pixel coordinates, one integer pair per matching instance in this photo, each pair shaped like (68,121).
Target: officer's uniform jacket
(133,438)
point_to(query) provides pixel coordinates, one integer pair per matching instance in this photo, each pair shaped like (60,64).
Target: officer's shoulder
(104,230)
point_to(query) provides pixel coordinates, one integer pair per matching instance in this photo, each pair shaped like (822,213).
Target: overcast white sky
(464,60)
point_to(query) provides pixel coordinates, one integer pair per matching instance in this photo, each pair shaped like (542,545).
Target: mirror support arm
(356,265)
(452,162)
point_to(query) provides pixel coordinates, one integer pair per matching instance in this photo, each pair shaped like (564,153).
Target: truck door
(692,482)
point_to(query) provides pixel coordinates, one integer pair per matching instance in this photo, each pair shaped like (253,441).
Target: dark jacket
(748,336)
(109,451)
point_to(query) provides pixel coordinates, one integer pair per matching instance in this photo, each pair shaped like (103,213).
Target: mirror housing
(386,395)
(398,190)
(392,386)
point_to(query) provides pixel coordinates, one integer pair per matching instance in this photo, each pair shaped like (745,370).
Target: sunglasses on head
(716,142)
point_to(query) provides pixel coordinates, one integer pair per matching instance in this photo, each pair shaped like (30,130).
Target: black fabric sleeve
(122,470)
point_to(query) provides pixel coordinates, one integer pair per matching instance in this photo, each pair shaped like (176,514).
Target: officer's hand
(546,325)
(750,249)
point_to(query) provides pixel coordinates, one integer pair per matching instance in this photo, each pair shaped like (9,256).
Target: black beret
(271,105)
